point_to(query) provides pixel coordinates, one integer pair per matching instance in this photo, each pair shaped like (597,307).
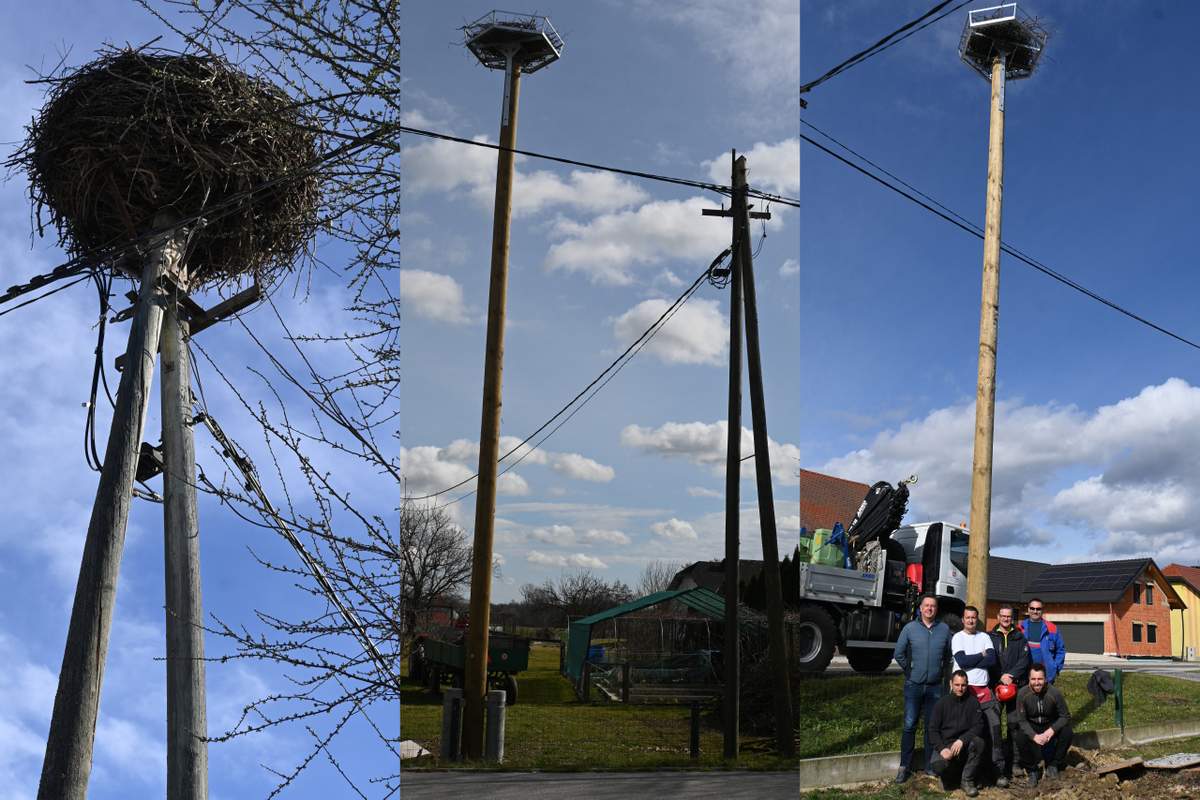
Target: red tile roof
(825,500)
(1190,575)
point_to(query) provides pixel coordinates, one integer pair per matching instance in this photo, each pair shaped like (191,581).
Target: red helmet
(1006,692)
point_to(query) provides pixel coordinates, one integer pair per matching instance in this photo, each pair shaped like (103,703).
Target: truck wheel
(869,659)
(818,635)
(510,690)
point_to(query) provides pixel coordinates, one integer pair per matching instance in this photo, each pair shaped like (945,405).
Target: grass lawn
(841,714)
(549,729)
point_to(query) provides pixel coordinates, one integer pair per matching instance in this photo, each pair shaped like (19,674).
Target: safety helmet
(1006,692)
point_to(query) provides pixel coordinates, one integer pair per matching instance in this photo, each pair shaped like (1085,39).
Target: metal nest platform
(528,39)
(1002,30)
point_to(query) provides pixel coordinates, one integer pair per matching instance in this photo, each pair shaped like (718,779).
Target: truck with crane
(860,606)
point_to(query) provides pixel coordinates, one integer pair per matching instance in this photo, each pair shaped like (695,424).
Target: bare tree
(575,594)
(657,576)
(435,557)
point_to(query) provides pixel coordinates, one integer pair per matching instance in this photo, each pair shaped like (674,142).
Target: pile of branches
(136,132)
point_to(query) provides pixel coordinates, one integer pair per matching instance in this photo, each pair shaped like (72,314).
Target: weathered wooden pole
(187,750)
(731,657)
(68,760)
(762,467)
(989,314)
(475,683)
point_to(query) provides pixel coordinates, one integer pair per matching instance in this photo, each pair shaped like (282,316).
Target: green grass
(549,729)
(844,714)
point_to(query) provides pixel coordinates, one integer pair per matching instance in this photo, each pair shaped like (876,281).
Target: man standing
(956,728)
(975,654)
(1011,669)
(1045,645)
(1042,717)
(923,652)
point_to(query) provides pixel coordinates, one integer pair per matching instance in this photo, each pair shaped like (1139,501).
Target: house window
(1151,633)
(1137,593)
(1149,594)
(1137,631)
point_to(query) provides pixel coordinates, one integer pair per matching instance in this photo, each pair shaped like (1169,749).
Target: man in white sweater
(974,653)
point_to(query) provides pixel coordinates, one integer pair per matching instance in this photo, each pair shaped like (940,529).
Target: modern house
(1185,622)
(1120,608)
(826,500)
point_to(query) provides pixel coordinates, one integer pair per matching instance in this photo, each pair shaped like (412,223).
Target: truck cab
(936,558)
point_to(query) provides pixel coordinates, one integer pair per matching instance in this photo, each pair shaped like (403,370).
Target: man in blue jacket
(1045,645)
(923,652)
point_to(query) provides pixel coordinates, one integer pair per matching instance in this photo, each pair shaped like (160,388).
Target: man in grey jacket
(923,652)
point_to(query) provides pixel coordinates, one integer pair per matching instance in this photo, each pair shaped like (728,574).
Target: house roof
(1188,575)
(1096,581)
(826,500)
(1008,577)
(711,574)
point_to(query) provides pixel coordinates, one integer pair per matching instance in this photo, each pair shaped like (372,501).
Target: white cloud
(705,444)
(674,530)
(790,268)
(581,468)
(698,333)
(608,247)
(595,536)
(441,166)
(432,295)
(700,491)
(561,535)
(770,167)
(575,560)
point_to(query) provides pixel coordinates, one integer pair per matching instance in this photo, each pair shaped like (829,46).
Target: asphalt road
(600,785)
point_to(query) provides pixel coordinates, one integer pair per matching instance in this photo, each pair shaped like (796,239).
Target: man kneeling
(1042,717)
(956,733)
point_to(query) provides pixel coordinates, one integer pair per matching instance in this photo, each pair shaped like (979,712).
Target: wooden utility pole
(68,760)
(762,468)
(989,312)
(731,659)
(187,750)
(475,683)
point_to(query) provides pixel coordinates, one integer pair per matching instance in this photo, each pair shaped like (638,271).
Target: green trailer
(437,662)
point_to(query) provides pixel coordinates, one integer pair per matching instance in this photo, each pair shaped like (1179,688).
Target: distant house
(1120,608)
(711,575)
(826,500)
(1185,622)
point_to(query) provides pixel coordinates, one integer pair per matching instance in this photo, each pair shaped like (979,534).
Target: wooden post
(985,394)
(187,751)
(731,657)
(475,683)
(762,469)
(626,683)
(68,761)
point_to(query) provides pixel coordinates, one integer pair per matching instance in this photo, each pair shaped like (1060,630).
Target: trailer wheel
(818,635)
(510,690)
(869,659)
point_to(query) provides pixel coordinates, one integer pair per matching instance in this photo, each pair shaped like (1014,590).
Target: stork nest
(134,133)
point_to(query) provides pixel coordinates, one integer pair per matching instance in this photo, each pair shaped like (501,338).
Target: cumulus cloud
(1140,459)
(705,443)
(770,167)
(561,535)
(790,268)
(430,468)
(574,560)
(675,530)
(432,295)
(700,491)
(698,333)
(598,536)
(581,468)
(441,166)
(607,248)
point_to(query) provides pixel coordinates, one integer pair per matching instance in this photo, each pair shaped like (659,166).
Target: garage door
(1082,637)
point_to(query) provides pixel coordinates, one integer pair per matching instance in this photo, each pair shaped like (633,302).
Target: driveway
(600,785)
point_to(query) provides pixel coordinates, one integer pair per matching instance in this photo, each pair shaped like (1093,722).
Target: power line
(959,221)
(890,40)
(598,382)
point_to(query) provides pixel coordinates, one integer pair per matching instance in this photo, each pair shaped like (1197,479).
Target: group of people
(1012,667)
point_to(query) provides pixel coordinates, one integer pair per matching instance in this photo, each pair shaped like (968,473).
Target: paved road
(600,785)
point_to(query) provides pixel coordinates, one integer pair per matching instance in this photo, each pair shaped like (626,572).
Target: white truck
(860,610)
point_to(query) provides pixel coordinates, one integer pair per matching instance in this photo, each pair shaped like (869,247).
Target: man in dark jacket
(1042,717)
(923,652)
(1012,667)
(956,731)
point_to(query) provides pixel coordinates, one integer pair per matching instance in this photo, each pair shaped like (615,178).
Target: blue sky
(668,88)
(47,493)
(1096,426)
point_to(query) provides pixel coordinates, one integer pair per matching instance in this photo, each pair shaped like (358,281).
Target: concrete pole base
(452,718)
(493,743)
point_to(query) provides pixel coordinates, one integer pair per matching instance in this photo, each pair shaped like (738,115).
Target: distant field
(549,729)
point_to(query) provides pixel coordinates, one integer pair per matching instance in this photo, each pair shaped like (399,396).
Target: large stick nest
(134,133)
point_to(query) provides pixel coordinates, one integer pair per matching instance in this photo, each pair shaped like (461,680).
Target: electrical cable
(884,43)
(961,222)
